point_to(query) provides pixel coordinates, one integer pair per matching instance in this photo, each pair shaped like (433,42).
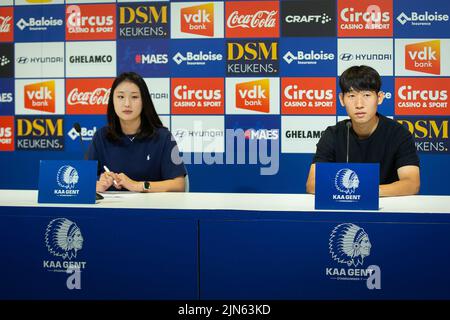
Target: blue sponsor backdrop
(147,48)
(6,97)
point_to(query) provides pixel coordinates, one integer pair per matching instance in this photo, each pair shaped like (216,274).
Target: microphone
(349,125)
(77,128)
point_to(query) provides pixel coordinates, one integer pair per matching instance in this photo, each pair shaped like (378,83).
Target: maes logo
(40,96)
(253,95)
(198,20)
(424,57)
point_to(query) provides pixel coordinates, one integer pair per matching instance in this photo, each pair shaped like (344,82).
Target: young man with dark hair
(372,137)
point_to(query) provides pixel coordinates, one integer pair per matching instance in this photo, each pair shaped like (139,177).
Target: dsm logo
(349,244)
(67,177)
(63,238)
(346,181)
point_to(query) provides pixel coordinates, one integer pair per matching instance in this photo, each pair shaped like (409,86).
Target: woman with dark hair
(134,151)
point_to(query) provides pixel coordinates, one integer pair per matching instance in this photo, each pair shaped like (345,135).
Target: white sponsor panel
(93,1)
(39,94)
(423,56)
(6,3)
(88,58)
(196,17)
(165,121)
(160,93)
(235,92)
(376,53)
(300,134)
(39,60)
(199,134)
(36,2)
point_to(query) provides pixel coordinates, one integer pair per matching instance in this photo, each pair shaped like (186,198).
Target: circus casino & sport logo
(63,239)
(349,245)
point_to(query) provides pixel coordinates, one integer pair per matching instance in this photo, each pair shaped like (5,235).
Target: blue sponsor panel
(149,58)
(192,58)
(309,257)
(430,133)
(386,108)
(6,97)
(62,181)
(39,23)
(39,133)
(416,18)
(89,125)
(308,57)
(99,256)
(347,186)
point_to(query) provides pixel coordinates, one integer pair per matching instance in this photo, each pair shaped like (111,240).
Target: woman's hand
(105,182)
(127,183)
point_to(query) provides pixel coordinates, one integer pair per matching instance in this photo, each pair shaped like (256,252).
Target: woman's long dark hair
(149,118)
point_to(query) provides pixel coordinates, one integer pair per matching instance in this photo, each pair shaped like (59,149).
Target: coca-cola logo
(99,96)
(5,25)
(260,19)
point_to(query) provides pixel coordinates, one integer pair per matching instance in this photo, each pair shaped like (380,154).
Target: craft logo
(143,21)
(87,96)
(91,22)
(247,20)
(365,18)
(40,96)
(6,24)
(6,60)
(252,58)
(7,133)
(308,57)
(39,133)
(308,96)
(197,96)
(63,239)
(420,96)
(424,57)
(200,58)
(422,18)
(198,20)
(430,134)
(253,95)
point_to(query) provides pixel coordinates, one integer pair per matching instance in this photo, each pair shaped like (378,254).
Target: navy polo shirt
(147,159)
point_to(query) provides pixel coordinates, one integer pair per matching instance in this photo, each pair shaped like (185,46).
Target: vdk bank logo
(253,95)
(424,57)
(349,244)
(198,20)
(40,96)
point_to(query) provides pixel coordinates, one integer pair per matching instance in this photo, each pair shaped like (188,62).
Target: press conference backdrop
(266,69)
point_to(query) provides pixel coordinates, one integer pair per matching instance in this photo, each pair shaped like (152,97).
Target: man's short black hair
(360,78)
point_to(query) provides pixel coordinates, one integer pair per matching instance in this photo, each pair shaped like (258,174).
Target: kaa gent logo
(67,177)
(63,238)
(349,244)
(346,181)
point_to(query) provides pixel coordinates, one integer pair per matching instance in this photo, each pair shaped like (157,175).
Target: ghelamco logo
(67,178)
(63,240)
(349,244)
(422,19)
(196,58)
(346,183)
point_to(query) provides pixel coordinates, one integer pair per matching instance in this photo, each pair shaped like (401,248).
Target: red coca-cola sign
(87,96)
(6,24)
(244,19)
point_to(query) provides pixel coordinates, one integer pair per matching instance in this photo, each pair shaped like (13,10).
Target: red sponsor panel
(87,96)
(365,18)
(91,22)
(424,57)
(197,96)
(422,96)
(247,20)
(308,96)
(6,24)
(7,133)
